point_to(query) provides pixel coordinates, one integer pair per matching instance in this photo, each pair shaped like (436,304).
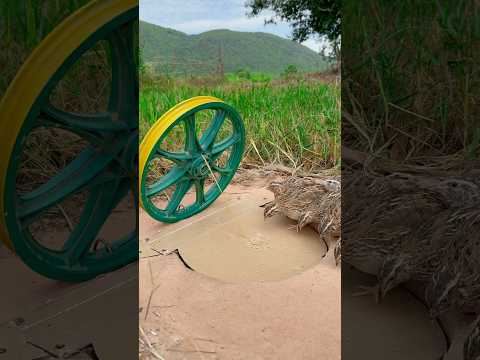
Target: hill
(174,52)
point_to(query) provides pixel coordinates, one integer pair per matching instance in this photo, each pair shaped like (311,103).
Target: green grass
(292,123)
(256,77)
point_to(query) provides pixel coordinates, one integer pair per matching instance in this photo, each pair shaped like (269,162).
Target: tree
(290,72)
(308,17)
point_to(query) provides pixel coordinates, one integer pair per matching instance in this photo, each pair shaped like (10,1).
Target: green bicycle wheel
(102,174)
(189,157)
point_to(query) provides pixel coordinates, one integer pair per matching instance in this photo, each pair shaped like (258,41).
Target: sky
(197,16)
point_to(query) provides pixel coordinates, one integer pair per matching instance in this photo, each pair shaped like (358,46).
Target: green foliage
(308,17)
(258,77)
(290,72)
(142,67)
(293,124)
(243,74)
(175,53)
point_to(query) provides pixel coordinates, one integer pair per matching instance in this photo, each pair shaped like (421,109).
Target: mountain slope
(175,52)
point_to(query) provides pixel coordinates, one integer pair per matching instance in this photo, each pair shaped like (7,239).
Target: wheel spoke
(176,157)
(174,176)
(124,89)
(200,191)
(222,170)
(178,195)
(191,141)
(91,127)
(209,135)
(79,174)
(219,148)
(98,209)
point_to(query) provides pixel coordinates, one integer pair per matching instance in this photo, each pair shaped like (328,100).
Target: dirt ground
(185,314)
(46,319)
(205,313)
(43,319)
(201,314)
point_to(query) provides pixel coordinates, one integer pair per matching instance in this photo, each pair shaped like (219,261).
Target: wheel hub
(198,168)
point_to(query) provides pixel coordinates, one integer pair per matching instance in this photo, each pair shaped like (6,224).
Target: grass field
(294,123)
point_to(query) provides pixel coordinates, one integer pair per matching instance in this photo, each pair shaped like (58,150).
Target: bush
(290,72)
(244,74)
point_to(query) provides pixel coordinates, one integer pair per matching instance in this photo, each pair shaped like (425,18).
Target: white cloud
(313,44)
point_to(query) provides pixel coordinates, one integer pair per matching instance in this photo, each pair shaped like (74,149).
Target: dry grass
(23,24)
(84,89)
(410,79)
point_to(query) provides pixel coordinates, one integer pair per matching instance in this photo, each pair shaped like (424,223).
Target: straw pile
(311,201)
(418,225)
